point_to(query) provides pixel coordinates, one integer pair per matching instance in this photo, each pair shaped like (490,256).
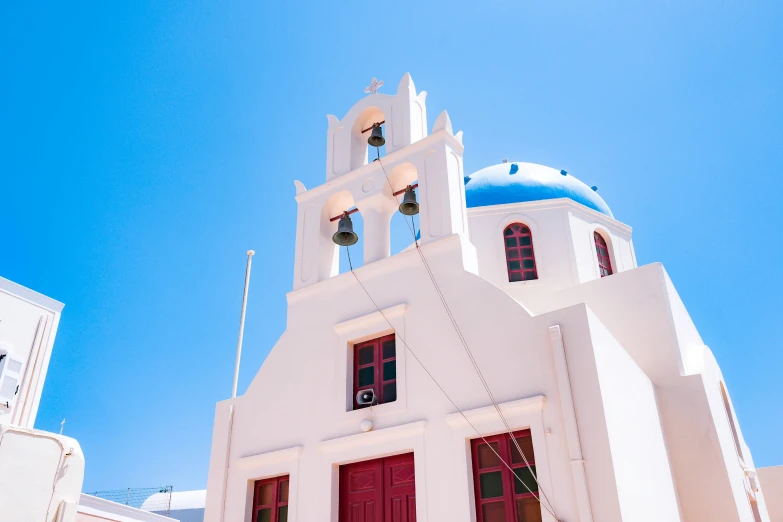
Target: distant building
(185,506)
(95,509)
(516,364)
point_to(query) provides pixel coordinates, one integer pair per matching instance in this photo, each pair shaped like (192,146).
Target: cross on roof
(375,84)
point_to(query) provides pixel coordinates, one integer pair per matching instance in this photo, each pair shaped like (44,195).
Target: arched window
(604,263)
(520,260)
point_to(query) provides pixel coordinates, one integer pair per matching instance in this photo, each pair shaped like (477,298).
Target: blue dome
(520,182)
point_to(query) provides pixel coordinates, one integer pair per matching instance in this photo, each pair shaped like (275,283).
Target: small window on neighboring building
(270,500)
(375,368)
(602,251)
(520,260)
(503,496)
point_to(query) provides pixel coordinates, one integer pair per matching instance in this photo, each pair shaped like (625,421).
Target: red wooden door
(399,489)
(380,490)
(361,492)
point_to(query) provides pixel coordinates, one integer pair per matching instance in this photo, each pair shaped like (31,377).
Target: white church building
(513,364)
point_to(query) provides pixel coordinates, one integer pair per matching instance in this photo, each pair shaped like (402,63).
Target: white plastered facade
(41,473)
(28,325)
(622,399)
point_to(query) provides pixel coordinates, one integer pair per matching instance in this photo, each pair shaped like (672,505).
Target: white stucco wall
(640,461)
(771,479)
(643,311)
(40,475)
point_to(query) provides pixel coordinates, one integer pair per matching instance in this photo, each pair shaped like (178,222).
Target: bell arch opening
(361,151)
(334,258)
(356,251)
(403,228)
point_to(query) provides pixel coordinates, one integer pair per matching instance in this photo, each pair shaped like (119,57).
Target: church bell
(345,236)
(409,205)
(376,136)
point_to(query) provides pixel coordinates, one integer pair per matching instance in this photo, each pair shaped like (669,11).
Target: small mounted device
(366,398)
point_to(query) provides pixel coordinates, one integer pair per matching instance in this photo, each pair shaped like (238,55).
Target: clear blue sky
(145,146)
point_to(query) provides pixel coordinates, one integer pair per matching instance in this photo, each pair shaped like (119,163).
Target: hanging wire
(454,321)
(464,342)
(397,335)
(348,251)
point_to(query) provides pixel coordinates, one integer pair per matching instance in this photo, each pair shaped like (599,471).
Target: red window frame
(500,496)
(520,257)
(379,490)
(277,506)
(380,368)
(602,251)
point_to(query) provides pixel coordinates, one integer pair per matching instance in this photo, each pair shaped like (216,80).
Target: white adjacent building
(522,366)
(41,473)
(28,326)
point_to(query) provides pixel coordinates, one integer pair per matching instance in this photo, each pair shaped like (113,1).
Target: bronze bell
(376,136)
(345,236)
(409,205)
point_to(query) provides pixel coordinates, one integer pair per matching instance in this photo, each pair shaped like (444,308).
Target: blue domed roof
(520,182)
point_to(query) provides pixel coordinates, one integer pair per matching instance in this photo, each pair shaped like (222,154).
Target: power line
(463,340)
(453,320)
(432,377)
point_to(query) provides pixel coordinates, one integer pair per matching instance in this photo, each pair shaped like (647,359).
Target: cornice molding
(564,203)
(373,437)
(489,413)
(272,457)
(30,296)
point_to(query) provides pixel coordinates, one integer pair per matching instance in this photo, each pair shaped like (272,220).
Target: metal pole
(168,508)
(250,254)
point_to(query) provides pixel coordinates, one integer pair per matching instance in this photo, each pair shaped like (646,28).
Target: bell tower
(355,182)
(404,115)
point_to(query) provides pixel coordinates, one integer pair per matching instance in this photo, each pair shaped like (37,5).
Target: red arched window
(604,263)
(520,261)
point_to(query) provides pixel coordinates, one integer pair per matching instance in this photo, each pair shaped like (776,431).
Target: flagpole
(250,254)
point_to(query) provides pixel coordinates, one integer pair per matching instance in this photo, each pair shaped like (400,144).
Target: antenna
(62,425)
(250,254)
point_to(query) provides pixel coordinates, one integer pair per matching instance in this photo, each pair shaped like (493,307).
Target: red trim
(415,185)
(602,251)
(373,125)
(520,258)
(385,389)
(279,499)
(354,210)
(507,503)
